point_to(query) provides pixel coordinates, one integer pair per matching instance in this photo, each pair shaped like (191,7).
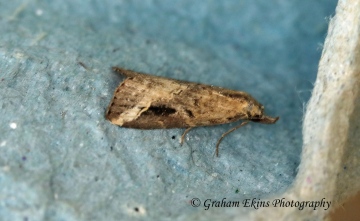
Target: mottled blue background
(61,160)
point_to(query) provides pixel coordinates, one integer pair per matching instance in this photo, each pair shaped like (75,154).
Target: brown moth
(145,101)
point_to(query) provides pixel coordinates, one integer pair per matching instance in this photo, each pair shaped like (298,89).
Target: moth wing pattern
(136,101)
(150,102)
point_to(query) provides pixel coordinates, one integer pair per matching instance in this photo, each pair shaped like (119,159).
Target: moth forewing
(149,102)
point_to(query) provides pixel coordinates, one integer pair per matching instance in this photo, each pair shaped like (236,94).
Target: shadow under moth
(145,101)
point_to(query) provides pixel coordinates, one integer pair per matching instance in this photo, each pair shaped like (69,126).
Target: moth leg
(224,134)
(183,135)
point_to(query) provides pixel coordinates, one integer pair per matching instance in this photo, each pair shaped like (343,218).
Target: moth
(145,101)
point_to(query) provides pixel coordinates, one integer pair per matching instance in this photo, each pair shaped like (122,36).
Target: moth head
(255,110)
(260,117)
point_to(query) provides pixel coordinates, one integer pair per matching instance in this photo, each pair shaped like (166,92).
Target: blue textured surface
(61,160)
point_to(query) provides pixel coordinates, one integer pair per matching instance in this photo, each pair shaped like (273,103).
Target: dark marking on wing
(159,111)
(196,102)
(189,113)
(238,95)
